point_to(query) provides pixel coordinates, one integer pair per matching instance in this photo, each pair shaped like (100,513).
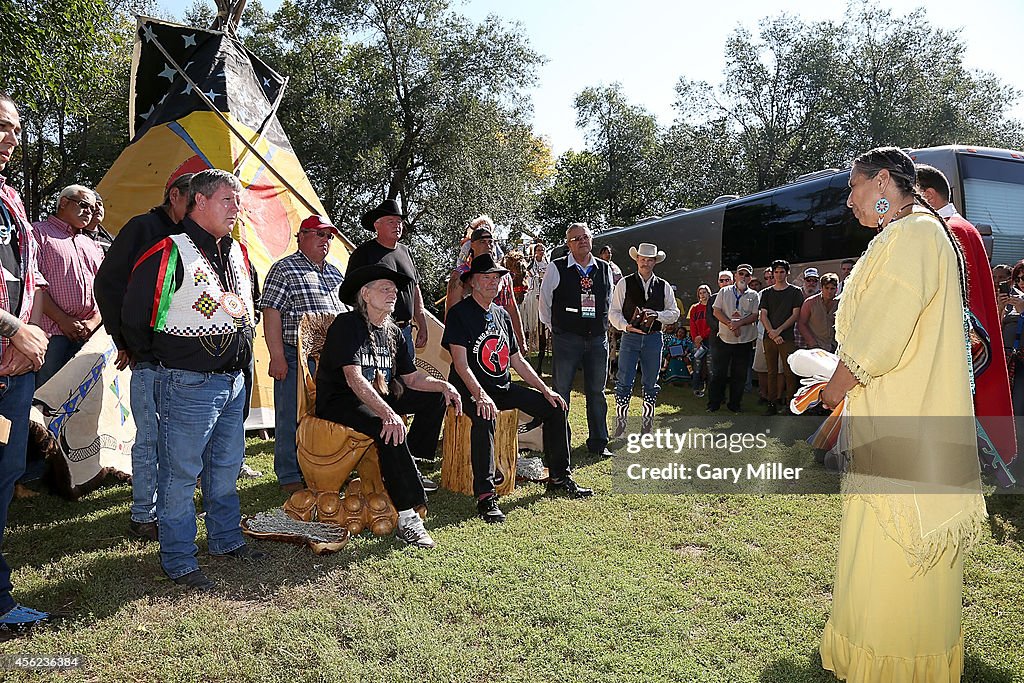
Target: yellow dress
(909,428)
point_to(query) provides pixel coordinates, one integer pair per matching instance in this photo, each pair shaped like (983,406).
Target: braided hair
(903,172)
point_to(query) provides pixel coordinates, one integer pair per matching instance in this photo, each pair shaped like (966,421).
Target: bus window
(745,233)
(994,195)
(797,233)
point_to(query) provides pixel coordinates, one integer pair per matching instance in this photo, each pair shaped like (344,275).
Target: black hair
(780,263)
(931,178)
(903,172)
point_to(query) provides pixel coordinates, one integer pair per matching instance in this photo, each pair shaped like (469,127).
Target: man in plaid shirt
(301,283)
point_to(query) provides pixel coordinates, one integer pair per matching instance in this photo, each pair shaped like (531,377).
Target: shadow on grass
(789,671)
(1006,515)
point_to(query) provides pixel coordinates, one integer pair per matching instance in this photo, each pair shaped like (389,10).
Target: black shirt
(212,353)
(780,304)
(350,341)
(10,258)
(112,278)
(399,259)
(486,334)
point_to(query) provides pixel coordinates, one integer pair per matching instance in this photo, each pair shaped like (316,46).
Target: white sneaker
(249,473)
(414,533)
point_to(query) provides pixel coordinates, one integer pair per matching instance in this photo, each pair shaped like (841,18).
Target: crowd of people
(181,300)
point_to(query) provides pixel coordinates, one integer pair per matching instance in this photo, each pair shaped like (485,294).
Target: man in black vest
(641,303)
(574,300)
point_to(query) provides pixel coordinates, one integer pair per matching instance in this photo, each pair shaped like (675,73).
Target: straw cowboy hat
(647,249)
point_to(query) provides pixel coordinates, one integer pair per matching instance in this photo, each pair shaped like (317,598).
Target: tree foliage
(409,100)
(69,72)
(804,96)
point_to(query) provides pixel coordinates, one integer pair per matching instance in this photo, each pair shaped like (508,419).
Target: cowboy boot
(621,407)
(647,419)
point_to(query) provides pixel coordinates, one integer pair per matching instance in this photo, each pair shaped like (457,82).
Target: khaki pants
(781,380)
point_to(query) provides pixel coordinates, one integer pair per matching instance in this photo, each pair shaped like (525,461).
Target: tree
(69,75)
(802,96)
(576,195)
(409,100)
(625,138)
(777,98)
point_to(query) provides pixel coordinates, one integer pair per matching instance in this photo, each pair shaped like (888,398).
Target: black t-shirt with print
(350,341)
(486,334)
(10,258)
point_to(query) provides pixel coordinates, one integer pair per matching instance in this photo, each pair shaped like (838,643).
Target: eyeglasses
(580,238)
(724,279)
(83,205)
(811,279)
(329,234)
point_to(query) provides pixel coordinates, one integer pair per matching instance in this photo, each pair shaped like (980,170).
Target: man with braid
(22,348)
(641,303)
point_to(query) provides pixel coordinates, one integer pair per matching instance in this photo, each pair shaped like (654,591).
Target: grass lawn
(615,588)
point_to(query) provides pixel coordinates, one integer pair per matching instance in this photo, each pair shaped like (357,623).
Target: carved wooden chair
(328,453)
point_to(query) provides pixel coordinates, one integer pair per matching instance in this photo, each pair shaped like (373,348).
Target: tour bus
(808,223)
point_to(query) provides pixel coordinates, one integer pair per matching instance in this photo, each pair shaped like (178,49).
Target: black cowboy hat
(388,207)
(365,275)
(484,263)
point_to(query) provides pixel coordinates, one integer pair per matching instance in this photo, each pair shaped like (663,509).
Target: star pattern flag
(200,100)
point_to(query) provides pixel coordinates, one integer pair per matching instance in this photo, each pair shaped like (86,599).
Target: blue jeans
(145,390)
(58,353)
(700,357)
(286,464)
(645,349)
(410,342)
(569,351)
(15,401)
(201,433)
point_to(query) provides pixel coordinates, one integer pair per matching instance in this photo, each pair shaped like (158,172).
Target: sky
(646,45)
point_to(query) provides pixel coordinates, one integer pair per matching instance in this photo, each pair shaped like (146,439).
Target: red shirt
(699,322)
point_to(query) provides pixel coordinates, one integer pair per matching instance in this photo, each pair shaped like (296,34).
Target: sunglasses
(84,205)
(329,234)
(580,238)
(724,279)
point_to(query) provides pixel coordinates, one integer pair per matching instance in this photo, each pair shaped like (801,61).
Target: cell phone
(1004,287)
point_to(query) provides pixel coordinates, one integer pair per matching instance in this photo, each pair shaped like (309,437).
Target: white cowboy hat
(647,249)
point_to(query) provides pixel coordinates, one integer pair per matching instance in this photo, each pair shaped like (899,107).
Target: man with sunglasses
(481,241)
(735,309)
(575,298)
(95,229)
(68,260)
(300,283)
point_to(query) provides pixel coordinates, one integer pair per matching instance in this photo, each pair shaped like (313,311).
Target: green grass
(615,588)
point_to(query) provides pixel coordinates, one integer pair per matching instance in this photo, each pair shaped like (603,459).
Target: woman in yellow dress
(912,504)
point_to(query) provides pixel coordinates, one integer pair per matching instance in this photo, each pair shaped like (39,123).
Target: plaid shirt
(69,263)
(296,286)
(30,276)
